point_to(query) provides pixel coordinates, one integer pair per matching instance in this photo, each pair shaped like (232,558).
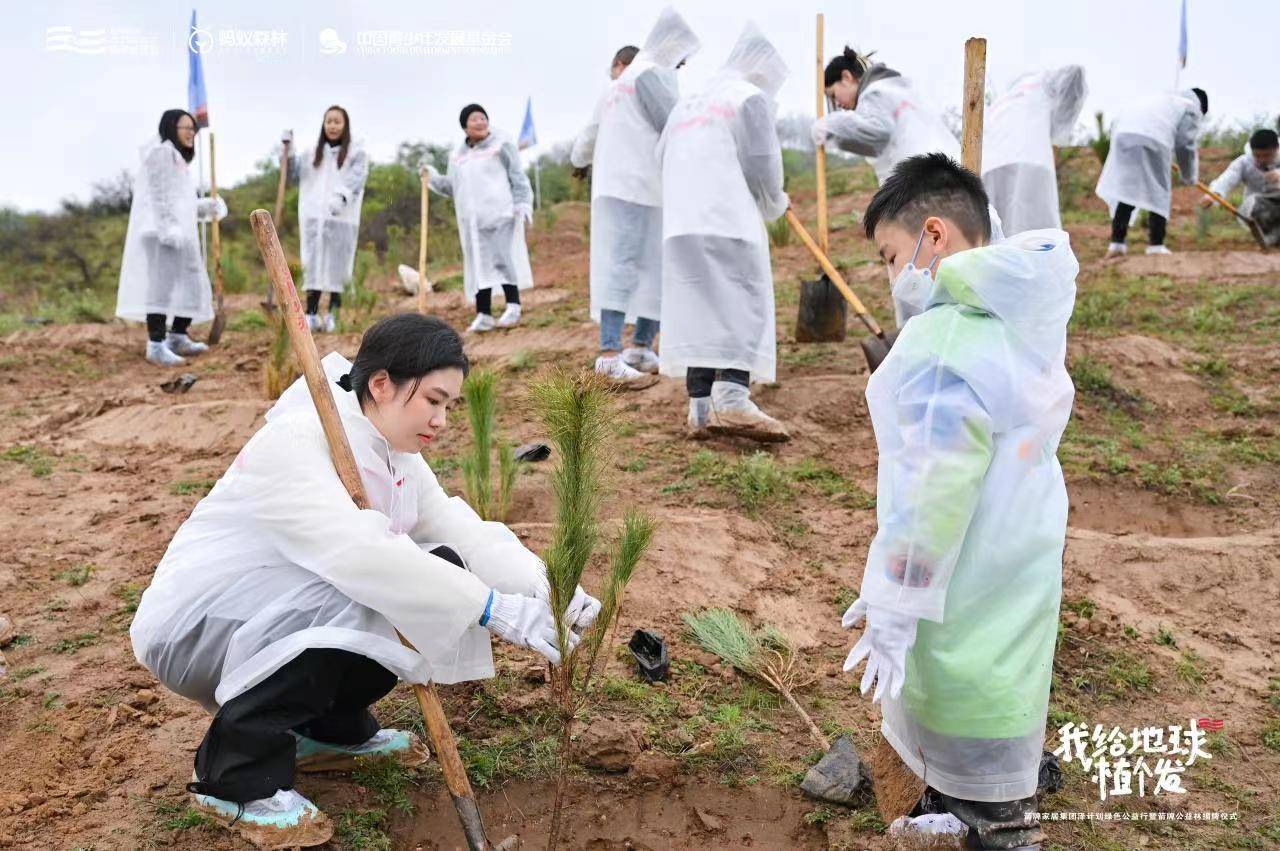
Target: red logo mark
(1213,725)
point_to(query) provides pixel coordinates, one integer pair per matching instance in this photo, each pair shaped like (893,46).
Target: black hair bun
(345,382)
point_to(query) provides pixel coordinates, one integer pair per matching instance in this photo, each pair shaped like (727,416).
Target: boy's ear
(937,234)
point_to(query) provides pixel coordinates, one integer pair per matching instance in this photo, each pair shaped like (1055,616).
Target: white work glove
(171,237)
(582,609)
(1271,177)
(336,204)
(884,644)
(286,137)
(819,132)
(526,622)
(428,171)
(208,208)
(525,212)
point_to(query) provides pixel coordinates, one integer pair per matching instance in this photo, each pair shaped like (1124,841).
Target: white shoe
(401,745)
(623,376)
(510,317)
(161,355)
(329,322)
(182,344)
(920,827)
(699,417)
(315,323)
(285,820)
(641,359)
(733,413)
(482,323)
(1158,249)
(1116,249)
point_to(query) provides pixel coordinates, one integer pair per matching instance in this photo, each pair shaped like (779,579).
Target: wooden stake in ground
(219,310)
(422,243)
(975,87)
(304,347)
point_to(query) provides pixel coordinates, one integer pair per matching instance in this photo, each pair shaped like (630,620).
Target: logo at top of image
(67,40)
(331,44)
(199,41)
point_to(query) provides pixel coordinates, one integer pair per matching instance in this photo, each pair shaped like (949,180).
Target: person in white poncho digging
(276,604)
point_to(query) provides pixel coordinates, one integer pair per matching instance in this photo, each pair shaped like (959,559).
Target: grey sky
(77,119)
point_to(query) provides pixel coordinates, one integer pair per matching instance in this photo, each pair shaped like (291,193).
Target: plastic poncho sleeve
(441,184)
(491,550)
(163,181)
(760,156)
(521,189)
(293,493)
(936,479)
(584,145)
(1230,178)
(865,131)
(657,91)
(207,208)
(352,175)
(1067,90)
(1184,145)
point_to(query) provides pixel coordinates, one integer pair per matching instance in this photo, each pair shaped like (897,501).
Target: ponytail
(849,60)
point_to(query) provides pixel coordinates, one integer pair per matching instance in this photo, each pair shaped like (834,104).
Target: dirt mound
(223,424)
(1137,350)
(1125,511)
(1202,264)
(543,342)
(68,336)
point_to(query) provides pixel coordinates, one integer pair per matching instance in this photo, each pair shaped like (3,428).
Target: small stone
(73,732)
(837,776)
(6,630)
(607,745)
(709,821)
(80,809)
(654,769)
(35,799)
(144,697)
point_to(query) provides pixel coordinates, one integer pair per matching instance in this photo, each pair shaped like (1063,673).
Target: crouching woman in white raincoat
(721,180)
(1037,112)
(964,577)
(277,602)
(162,274)
(493,202)
(330,192)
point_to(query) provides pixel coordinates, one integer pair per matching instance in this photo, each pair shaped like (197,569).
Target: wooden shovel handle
(820,154)
(304,348)
(422,245)
(975,79)
(217,238)
(836,278)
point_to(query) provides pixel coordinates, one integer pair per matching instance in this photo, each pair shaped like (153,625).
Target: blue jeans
(611,322)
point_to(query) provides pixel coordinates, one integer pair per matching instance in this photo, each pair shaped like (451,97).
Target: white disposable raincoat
(163,270)
(329,201)
(277,559)
(490,192)
(626,180)
(1145,139)
(1244,171)
(968,410)
(721,180)
(889,122)
(1037,112)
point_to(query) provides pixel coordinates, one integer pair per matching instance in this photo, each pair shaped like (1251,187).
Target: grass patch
(192,487)
(32,458)
(363,830)
(247,320)
(72,645)
(512,756)
(1188,669)
(389,781)
(753,480)
(77,575)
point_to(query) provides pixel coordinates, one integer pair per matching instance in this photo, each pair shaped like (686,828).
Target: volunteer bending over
(277,603)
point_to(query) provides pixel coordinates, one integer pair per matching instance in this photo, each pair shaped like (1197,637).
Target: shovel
(219,311)
(424,286)
(874,348)
(1252,225)
(821,315)
(304,348)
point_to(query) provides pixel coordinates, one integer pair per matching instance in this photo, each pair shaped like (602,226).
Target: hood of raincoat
(1067,90)
(146,148)
(755,59)
(297,398)
(874,74)
(1028,281)
(671,41)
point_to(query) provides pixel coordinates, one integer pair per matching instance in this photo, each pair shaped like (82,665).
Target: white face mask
(912,286)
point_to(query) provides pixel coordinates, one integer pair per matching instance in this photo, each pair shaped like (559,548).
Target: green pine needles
(480,391)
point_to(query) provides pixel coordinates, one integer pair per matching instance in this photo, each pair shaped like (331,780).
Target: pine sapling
(280,369)
(480,391)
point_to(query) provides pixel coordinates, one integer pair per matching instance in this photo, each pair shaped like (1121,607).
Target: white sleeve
(286,478)
(491,550)
(760,156)
(1185,148)
(584,146)
(161,173)
(441,184)
(865,131)
(1230,178)
(353,175)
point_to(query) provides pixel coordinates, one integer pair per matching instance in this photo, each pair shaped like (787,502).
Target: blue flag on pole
(1182,37)
(197,100)
(528,136)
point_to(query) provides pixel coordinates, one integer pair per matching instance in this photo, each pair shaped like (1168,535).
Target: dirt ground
(1170,581)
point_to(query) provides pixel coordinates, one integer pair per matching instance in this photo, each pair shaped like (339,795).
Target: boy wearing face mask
(962,582)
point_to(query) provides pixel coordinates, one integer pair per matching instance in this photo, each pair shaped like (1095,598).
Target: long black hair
(849,60)
(169,131)
(407,346)
(344,140)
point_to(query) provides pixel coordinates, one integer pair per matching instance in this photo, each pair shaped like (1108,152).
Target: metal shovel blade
(823,313)
(219,325)
(876,349)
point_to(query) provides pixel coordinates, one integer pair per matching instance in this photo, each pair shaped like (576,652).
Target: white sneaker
(161,355)
(733,413)
(1116,249)
(641,359)
(919,830)
(510,317)
(285,820)
(315,323)
(401,745)
(1158,249)
(623,376)
(330,322)
(699,417)
(482,323)
(182,344)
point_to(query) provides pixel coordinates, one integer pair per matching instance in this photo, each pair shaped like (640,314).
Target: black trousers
(155,326)
(698,379)
(1157,225)
(313,301)
(484,298)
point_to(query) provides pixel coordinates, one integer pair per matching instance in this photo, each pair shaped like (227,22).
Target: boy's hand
(884,645)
